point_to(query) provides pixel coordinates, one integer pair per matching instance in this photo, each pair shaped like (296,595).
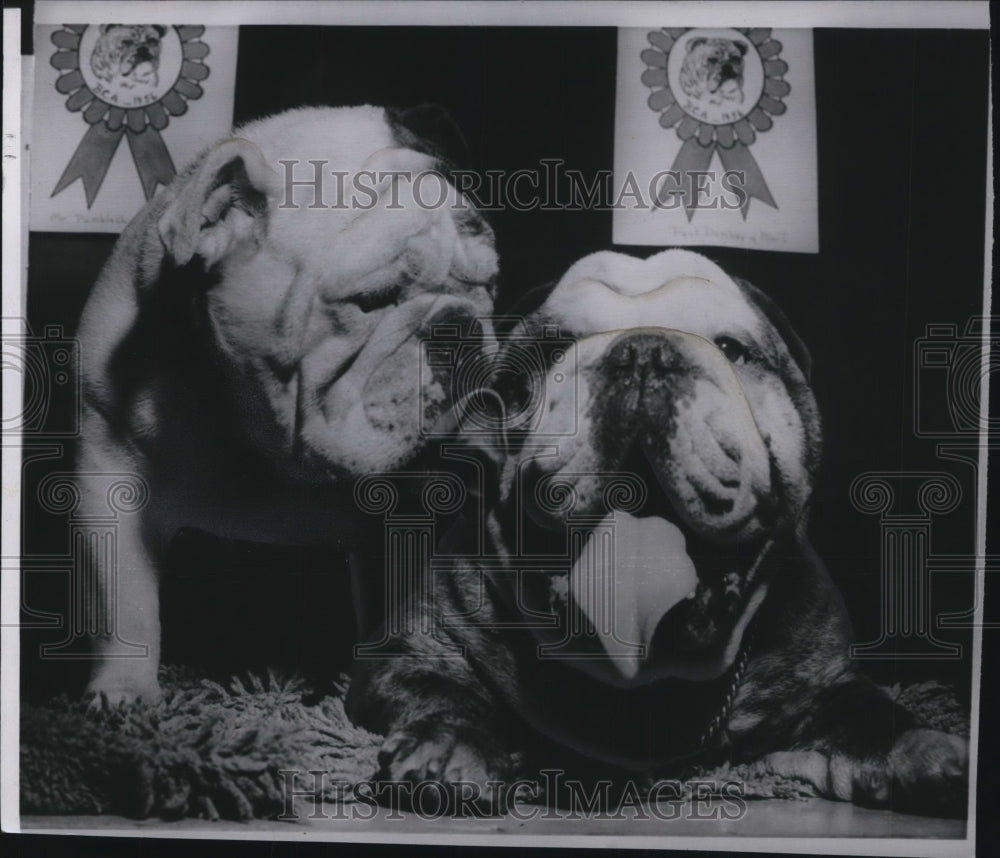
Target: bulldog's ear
(742,48)
(694,43)
(223,201)
(429,128)
(104,28)
(160,29)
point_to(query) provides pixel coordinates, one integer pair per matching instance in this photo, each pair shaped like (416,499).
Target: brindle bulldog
(648,600)
(252,346)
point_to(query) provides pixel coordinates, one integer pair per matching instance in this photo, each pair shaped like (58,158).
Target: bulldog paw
(926,772)
(106,692)
(929,772)
(462,758)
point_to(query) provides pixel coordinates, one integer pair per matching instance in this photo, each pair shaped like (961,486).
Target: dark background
(902,125)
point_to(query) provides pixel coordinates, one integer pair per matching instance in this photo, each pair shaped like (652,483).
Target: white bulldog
(253,346)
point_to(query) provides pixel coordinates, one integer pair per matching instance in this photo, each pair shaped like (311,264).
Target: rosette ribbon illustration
(718,88)
(126,80)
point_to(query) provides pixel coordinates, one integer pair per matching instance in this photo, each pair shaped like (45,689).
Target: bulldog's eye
(733,349)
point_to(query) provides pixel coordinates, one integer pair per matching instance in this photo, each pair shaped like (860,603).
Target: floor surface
(768,818)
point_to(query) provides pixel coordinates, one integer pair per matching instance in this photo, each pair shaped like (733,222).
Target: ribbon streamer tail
(741,160)
(91,160)
(692,158)
(152,159)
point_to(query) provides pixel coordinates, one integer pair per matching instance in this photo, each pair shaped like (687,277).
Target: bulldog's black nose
(639,353)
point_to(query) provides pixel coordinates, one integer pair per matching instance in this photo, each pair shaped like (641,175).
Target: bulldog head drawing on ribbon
(713,69)
(127,56)
(254,345)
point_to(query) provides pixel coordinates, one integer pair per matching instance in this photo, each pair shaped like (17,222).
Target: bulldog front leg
(805,710)
(121,579)
(874,753)
(441,721)
(925,772)
(852,742)
(123,672)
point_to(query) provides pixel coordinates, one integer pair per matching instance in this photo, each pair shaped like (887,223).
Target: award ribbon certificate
(715,138)
(166,90)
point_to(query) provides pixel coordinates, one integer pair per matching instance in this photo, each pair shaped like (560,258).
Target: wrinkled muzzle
(667,581)
(375,411)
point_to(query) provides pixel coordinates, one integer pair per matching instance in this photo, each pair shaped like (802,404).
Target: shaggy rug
(209,751)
